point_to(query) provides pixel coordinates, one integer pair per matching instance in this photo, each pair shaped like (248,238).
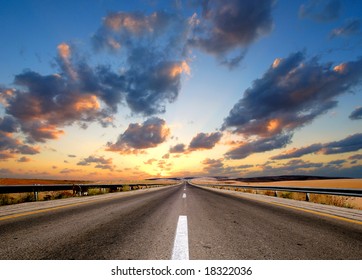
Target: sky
(109,90)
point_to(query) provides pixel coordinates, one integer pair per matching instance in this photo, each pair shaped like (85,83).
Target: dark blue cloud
(154,48)
(204,141)
(321,10)
(351,143)
(179,148)
(351,27)
(291,93)
(259,146)
(226,26)
(356,114)
(139,137)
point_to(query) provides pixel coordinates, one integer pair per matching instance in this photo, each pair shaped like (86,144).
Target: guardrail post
(307,197)
(35,195)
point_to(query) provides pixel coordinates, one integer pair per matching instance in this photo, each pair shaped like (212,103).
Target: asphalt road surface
(146,225)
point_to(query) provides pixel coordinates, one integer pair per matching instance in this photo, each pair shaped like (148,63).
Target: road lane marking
(28,213)
(317,213)
(184,195)
(71,204)
(181,245)
(305,210)
(308,211)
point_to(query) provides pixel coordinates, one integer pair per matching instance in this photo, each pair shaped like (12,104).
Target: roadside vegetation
(15,198)
(340,201)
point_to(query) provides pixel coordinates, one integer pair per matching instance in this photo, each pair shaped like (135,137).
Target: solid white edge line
(181,245)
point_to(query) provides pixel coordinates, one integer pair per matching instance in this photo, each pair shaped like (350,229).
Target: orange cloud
(276,62)
(178,69)
(86,103)
(49,131)
(64,50)
(273,125)
(64,53)
(341,68)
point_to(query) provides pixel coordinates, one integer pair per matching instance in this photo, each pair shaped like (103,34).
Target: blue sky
(135,89)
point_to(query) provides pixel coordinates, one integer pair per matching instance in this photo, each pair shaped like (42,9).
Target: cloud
(68,170)
(24,159)
(6,172)
(296,153)
(8,124)
(351,27)
(226,26)
(41,104)
(204,141)
(9,146)
(356,157)
(154,47)
(72,156)
(302,167)
(321,10)
(338,162)
(179,148)
(151,85)
(150,161)
(356,114)
(119,28)
(291,93)
(216,167)
(139,137)
(349,144)
(259,146)
(100,162)
(5,155)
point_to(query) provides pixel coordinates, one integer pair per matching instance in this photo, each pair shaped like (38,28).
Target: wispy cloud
(321,10)
(351,27)
(100,162)
(259,146)
(351,143)
(24,159)
(217,167)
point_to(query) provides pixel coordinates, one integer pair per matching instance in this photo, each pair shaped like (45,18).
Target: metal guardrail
(307,190)
(78,188)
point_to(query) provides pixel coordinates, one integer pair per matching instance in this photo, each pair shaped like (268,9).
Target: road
(143,226)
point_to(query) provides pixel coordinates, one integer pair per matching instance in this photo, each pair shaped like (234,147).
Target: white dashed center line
(184,195)
(181,245)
